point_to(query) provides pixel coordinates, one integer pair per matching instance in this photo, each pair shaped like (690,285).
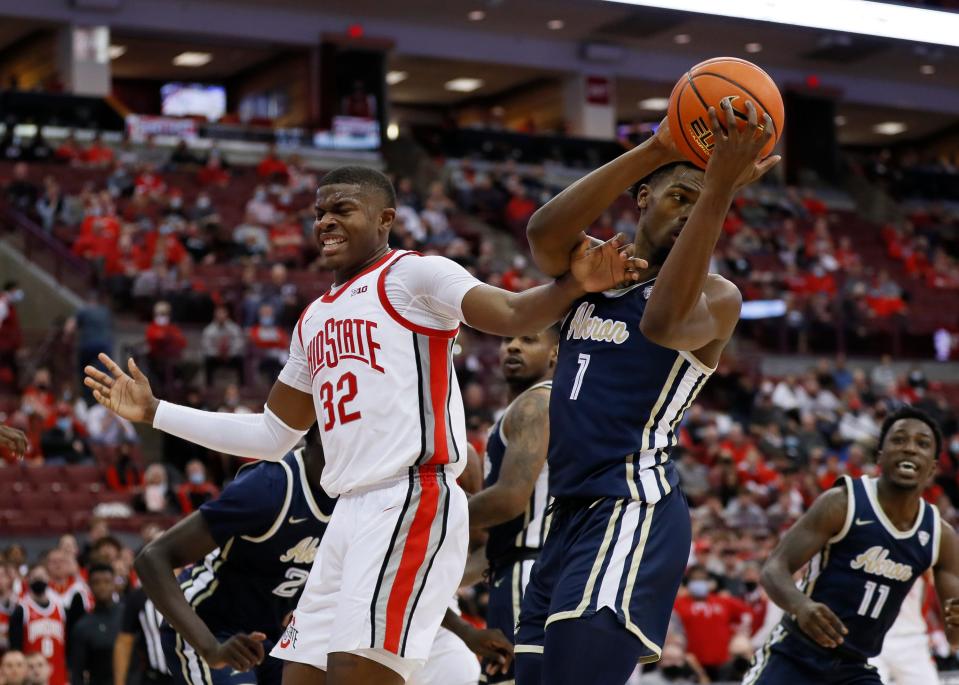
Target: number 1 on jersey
(578,383)
(867,599)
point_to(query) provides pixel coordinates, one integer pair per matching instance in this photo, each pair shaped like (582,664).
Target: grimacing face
(351,224)
(527,357)
(907,456)
(665,206)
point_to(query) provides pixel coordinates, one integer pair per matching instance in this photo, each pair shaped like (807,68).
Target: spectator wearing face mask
(11,335)
(197,489)
(38,625)
(259,210)
(156,498)
(165,343)
(710,620)
(65,441)
(223,345)
(271,342)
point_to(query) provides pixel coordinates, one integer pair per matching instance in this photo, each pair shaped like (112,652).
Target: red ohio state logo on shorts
(289,637)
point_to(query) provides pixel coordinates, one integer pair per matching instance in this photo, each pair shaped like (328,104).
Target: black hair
(107,541)
(658,173)
(908,412)
(10,285)
(365,177)
(100,568)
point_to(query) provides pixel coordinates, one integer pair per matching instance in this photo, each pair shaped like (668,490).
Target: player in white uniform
(371,361)
(906,658)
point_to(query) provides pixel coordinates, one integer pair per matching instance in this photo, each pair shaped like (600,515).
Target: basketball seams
(681,126)
(755,99)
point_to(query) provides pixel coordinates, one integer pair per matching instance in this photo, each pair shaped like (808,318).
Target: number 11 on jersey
(578,382)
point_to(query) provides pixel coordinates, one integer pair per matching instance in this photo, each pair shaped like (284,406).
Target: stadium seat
(82,474)
(70,502)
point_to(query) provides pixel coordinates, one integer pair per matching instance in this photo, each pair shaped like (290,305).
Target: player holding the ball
(631,361)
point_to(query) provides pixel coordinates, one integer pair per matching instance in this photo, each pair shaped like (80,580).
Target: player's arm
(185,543)
(289,413)
(490,643)
(122,649)
(685,311)
(471,480)
(824,520)
(526,425)
(593,268)
(556,228)
(947,582)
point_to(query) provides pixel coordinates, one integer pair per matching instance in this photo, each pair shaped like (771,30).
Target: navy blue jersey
(617,401)
(526,532)
(866,571)
(268,526)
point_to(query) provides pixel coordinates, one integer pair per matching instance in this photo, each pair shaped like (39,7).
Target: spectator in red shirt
(213,173)
(165,344)
(68,151)
(11,335)
(123,475)
(270,341)
(97,154)
(710,619)
(161,247)
(737,443)
(286,241)
(271,167)
(148,182)
(197,489)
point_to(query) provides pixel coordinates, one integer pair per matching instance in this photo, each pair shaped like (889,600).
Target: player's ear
(642,196)
(553,355)
(387,217)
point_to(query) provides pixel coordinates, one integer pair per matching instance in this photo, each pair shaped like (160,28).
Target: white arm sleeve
(429,291)
(260,436)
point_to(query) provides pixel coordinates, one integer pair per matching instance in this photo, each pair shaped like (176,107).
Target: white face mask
(16,295)
(161,319)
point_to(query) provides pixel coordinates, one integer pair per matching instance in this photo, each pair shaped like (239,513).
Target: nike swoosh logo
(499,581)
(293,521)
(860,522)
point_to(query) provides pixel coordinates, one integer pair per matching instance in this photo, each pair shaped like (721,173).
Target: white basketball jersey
(910,621)
(385,389)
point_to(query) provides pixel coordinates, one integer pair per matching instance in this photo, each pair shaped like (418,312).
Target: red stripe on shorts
(414,553)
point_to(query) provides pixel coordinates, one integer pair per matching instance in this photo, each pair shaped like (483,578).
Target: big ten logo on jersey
(304,552)
(359,291)
(585,326)
(342,339)
(875,561)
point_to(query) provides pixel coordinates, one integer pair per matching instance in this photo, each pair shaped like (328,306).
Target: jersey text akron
(586,326)
(341,339)
(874,561)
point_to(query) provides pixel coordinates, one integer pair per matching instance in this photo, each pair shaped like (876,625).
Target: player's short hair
(100,568)
(553,331)
(365,177)
(657,174)
(909,412)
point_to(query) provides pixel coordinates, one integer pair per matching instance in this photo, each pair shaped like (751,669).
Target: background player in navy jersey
(630,363)
(866,542)
(257,543)
(513,504)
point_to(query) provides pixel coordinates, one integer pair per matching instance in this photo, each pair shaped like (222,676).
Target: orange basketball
(704,86)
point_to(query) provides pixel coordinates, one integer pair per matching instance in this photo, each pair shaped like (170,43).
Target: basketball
(705,86)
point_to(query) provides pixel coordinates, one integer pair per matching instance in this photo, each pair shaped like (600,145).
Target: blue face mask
(64,423)
(266,320)
(197,478)
(698,588)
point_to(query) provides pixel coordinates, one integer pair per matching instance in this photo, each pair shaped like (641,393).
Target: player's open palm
(597,266)
(128,395)
(734,161)
(820,623)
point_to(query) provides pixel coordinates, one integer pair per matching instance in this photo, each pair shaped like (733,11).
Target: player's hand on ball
(128,395)
(240,652)
(734,160)
(597,266)
(664,139)
(951,613)
(14,440)
(821,624)
(493,646)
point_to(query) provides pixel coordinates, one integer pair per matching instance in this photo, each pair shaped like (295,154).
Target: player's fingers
(827,627)
(816,632)
(135,371)
(97,387)
(98,375)
(714,125)
(731,126)
(835,621)
(752,116)
(111,365)
(636,263)
(243,654)
(767,131)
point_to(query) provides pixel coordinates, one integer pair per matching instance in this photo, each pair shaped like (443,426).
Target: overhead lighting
(754,47)
(192,59)
(927,69)
(654,104)
(555,24)
(865,17)
(117,51)
(682,38)
(464,85)
(393,131)
(394,77)
(839,120)
(889,128)
(476,15)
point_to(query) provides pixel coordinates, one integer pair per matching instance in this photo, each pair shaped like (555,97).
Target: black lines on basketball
(682,124)
(756,101)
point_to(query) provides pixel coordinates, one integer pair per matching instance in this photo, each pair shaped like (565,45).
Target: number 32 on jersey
(335,400)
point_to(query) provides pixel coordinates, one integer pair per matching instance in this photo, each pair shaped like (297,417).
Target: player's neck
(341,277)
(643,250)
(517,388)
(901,507)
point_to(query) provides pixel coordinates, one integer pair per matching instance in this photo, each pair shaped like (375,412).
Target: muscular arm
(122,649)
(824,520)
(185,543)
(471,479)
(947,582)
(526,427)
(557,227)
(501,312)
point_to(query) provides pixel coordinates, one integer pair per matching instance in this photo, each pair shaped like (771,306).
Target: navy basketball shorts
(189,668)
(506,588)
(623,555)
(788,659)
